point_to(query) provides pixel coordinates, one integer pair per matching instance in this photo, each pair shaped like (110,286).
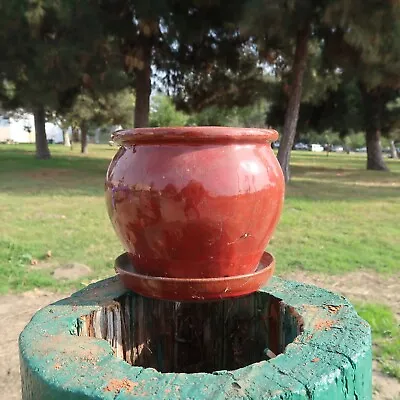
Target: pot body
(195,210)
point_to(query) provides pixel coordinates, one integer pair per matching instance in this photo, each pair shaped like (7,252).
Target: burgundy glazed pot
(195,202)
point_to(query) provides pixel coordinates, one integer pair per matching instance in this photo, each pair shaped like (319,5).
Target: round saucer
(199,289)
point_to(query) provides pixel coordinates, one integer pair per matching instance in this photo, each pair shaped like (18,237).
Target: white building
(21,129)
(54,133)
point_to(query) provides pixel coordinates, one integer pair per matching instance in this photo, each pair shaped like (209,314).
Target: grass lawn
(338,217)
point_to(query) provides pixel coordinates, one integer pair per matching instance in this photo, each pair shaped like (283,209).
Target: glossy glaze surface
(186,289)
(202,205)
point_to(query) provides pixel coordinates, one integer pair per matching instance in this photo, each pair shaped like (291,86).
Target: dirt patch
(16,311)
(44,173)
(384,387)
(358,286)
(71,271)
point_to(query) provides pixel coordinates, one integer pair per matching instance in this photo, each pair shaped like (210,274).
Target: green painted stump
(287,341)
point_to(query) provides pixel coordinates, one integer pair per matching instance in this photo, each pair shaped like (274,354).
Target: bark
(393,150)
(372,119)
(374,150)
(84,142)
(293,107)
(42,148)
(143,86)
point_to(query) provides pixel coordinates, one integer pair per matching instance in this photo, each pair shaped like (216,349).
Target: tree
(286,33)
(248,116)
(373,107)
(393,109)
(164,113)
(369,77)
(283,31)
(344,110)
(231,79)
(366,46)
(50,50)
(175,38)
(92,110)
(135,26)
(274,40)
(338,109)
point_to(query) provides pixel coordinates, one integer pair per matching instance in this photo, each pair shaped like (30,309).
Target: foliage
(102,110)
(164,113)
(339,110)
(179,39)
(393,118)
(211,116)
(57,48)
(365,40)
(226,61)
(225,86)
(355,140)
(249,116)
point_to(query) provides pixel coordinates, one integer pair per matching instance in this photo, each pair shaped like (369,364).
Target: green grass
(338,217)
(386,336)
(55,205)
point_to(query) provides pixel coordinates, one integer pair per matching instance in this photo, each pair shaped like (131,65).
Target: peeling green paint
(330,360)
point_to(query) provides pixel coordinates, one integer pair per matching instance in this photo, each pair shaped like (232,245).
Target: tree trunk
(42,148)
(293,107)
(372,119)
(75,134)
(67,141)
(143,86)
(374,150)
(84,142)
(393,150)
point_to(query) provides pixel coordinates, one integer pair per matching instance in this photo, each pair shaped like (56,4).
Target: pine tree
(288,38)
(50,50)
(177,39)
(366,44)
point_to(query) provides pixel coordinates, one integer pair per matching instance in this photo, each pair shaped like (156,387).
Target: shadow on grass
(22,174)
(76,175)
(15,159)
(336,191)
(318,183)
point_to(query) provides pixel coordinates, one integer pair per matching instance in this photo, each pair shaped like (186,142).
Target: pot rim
(194,134)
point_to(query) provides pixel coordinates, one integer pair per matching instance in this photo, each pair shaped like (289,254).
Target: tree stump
(287,341)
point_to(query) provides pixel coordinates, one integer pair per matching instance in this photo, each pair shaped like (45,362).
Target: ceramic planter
(198,202)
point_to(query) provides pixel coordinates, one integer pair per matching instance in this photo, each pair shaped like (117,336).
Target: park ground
(339,230)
